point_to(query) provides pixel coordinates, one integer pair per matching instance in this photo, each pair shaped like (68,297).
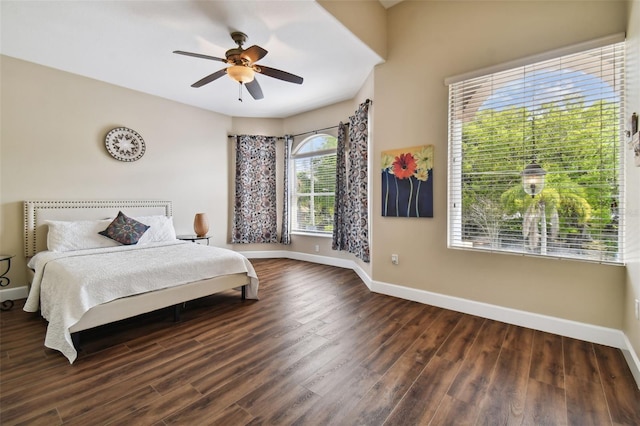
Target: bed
(86,269)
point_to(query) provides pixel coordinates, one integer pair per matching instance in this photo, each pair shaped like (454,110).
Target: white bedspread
(68,284)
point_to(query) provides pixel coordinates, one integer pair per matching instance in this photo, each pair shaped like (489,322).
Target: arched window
(313,184)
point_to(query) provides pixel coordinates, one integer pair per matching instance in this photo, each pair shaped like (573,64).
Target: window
(563,114)
(314,182)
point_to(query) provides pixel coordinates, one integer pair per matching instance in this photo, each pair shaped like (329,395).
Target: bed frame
(35,240)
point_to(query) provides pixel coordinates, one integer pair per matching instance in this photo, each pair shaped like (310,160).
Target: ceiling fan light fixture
(241,74)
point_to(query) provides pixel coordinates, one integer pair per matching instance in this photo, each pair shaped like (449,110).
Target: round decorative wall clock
(125,144)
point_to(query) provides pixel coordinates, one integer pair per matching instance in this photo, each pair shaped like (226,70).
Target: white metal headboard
(36,212)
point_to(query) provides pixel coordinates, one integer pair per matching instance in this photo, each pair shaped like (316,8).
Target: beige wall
(366,19)
(52,147)
(429,41)
(631,326)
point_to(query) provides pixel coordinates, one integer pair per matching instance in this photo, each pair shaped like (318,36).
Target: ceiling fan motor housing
(233,56)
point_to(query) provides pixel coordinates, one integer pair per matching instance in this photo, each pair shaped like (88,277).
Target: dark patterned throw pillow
(124,230)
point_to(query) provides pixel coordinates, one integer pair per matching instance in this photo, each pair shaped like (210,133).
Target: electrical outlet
(394,259)
(317,248)
(637,309)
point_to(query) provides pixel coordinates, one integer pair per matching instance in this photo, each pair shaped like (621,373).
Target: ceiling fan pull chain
(240,91)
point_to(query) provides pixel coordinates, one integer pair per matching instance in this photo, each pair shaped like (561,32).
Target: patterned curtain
(285,237)
(340,230)
(351,220)
(254,214)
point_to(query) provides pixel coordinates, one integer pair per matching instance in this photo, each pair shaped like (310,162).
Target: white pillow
(160,229)
(77,235)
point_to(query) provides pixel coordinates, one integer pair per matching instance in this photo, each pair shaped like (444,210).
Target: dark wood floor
(318,348)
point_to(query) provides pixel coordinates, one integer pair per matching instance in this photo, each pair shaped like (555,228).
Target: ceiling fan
(242,67)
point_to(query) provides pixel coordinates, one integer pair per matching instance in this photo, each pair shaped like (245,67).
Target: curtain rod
(277,137)
(367,101)
(293,136)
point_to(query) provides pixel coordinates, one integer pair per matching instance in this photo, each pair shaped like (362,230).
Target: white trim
(313,258)
(564,327)
(14,293)
(556,53)
(266,254)
(632,360)
(313,234)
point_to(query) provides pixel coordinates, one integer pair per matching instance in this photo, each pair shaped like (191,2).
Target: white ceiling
(130,44)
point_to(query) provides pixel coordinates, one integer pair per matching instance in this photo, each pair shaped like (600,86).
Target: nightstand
(193,238)
(5,281)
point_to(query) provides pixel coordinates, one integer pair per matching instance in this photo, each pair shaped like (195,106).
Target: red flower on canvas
(404,166)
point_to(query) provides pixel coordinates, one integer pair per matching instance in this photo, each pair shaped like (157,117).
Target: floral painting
(407,182)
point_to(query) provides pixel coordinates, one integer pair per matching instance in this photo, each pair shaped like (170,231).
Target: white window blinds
(314,182)
(564,114)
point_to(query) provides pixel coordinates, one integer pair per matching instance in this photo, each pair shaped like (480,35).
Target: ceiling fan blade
(208,79)
(281,75)
(254,53)
(198,55)
(254,89)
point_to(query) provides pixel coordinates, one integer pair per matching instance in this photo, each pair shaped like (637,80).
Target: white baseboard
(563,327)
(313,258)
(568,328)
(14,293)
(632,360)
(267,254)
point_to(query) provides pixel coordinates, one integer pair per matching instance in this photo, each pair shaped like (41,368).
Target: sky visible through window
(543,87)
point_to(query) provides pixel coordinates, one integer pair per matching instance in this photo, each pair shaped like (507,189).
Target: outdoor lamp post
(533,178)
(533,183)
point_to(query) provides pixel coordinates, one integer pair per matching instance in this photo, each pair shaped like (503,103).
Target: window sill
(466,247)
(312,234)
